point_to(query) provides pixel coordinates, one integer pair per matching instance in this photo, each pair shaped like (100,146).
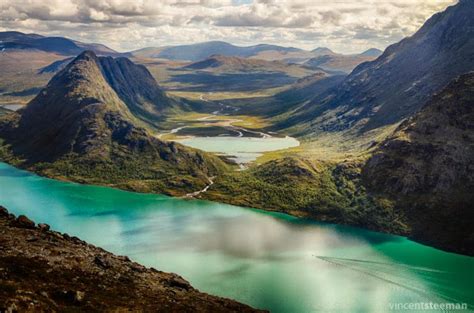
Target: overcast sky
(343,25)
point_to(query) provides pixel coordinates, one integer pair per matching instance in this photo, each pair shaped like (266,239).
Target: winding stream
(270,261)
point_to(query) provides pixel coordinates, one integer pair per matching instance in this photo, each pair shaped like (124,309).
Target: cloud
(342,25)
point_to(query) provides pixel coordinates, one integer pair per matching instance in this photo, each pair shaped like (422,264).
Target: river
(270,261)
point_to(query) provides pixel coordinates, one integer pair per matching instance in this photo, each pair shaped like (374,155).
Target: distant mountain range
(60,45)
(202,51)
(86,125)
(232,64)
(339,62)
(401,80)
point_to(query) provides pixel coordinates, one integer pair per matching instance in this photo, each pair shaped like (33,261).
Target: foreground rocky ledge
(45,271)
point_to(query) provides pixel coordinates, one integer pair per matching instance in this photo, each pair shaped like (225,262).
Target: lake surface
(243,149)
(270,261)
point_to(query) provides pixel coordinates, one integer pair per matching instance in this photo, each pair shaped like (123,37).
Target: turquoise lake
(243,149)
(270,261)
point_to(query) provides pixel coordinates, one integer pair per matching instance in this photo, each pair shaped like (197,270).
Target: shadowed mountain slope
(136,87)
(427,168)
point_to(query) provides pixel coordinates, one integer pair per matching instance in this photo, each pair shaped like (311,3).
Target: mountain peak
(372,52)
(86,55)
(323,51)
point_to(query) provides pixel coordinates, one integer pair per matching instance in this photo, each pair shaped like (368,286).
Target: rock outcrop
(46,271)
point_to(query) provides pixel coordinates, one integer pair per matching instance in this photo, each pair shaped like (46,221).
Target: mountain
(200,51)
(427,168)
(396,84)
(322,51)
(24,56)
(83,126)
(19,72)
(133,83)
(16,40)
(231,64)
(328,60)
(373,52)
(137,88)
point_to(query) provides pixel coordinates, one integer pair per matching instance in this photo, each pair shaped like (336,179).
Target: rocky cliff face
(427,168)
(80,127)
(46,271)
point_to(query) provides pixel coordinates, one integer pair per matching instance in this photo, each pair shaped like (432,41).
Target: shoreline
(229,201)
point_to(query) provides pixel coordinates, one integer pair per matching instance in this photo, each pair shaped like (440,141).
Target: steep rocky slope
(80,127)
(401,80)
(427,168)
(46,271)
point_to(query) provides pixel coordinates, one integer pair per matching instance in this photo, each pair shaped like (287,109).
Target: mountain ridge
(203,50)
(60,45)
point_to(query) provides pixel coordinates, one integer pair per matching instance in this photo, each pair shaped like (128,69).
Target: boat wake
(401,275)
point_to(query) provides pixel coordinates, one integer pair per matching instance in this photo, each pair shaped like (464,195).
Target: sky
(346,26)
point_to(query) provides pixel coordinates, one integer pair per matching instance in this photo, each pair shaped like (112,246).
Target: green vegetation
(136,171)
(325,191)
